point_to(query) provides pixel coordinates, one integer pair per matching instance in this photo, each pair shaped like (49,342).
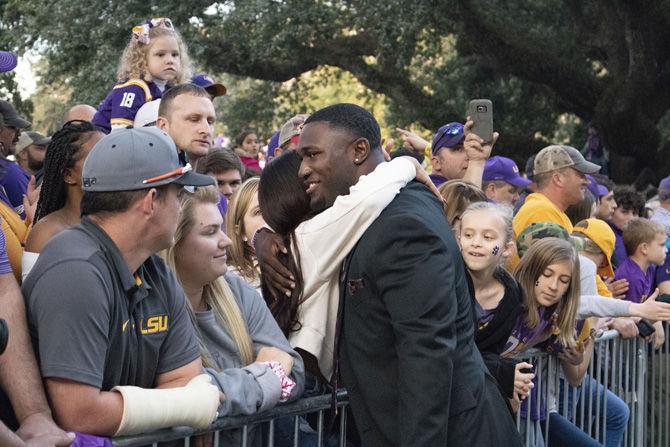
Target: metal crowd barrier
(637,377)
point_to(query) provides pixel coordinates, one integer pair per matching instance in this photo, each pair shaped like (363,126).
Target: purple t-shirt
(14,182)
(524,337)
(4,260)
(620,254)
(122,103)
(437,179)
(640,284)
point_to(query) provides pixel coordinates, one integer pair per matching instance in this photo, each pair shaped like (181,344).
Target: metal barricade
(611,397)
(626,379)
(262,425)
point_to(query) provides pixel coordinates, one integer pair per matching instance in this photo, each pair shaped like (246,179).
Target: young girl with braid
(154,59)
(60,196)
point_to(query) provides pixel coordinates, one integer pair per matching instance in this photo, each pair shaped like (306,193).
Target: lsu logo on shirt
(151,325)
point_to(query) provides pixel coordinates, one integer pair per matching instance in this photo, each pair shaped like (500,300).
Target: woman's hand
(523,382)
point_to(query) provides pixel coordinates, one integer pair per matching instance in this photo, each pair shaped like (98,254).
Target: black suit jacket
(408,356)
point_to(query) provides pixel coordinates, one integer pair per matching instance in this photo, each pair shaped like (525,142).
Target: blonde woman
(242,347)
(243,218)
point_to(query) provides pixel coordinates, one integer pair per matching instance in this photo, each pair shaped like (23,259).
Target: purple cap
(208,84)
(273,144)
(503,168)
(596,188)
(664,189)
(449,136)
(8,61)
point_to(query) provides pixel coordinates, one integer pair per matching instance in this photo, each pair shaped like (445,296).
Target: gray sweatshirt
(252,388)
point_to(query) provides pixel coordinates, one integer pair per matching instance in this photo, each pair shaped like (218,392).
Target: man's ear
(361,150)
(163,124)
(490,190)
(148,202)
(435,161)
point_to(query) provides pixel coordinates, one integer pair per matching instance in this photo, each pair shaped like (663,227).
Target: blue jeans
(618,412)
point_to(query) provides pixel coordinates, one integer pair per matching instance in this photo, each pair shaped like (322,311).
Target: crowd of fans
(150,278)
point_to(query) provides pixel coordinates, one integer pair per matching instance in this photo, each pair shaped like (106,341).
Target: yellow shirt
(536,208)
(15,231)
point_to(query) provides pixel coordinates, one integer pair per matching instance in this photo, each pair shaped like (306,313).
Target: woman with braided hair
(60,196)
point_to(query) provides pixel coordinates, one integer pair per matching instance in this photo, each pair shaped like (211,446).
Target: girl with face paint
(486,241)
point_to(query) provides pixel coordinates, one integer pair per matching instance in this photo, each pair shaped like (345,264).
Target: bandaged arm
(145,410)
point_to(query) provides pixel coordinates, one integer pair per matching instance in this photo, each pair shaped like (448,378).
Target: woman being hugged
(154,59)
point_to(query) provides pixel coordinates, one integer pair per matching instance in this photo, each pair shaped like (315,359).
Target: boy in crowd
(644,241)
(502,182)
(228,171)
(629,203)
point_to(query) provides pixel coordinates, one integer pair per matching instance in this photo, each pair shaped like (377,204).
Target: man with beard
(406,349)
(30,151)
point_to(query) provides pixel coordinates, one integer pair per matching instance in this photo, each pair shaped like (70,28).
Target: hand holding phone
(480,112)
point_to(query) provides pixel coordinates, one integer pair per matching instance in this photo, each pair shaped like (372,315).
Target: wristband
(287,384)
(254,237)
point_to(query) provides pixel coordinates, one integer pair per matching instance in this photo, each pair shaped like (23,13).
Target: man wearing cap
(213,88)
(501,181)
(448,157)
(289,134)
(30,151)
(106,315)
(606,203)
(12,178)
(560,174)
(187,114)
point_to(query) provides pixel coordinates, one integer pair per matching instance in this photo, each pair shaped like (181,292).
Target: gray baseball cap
(137,158)
(558,156)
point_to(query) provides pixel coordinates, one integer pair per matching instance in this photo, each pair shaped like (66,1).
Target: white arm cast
(145,409)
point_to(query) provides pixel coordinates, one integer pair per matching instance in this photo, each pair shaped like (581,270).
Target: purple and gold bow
(141,32)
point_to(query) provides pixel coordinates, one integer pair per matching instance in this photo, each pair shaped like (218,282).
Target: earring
(356,160)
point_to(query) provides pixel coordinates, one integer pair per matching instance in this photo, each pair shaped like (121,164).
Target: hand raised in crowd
(271,354)
(618,287)
(268,245)
(30,199)
(650,309)
(625,326)
(39,429)
(523,381)
(423,177)
(412,141)
(474,145)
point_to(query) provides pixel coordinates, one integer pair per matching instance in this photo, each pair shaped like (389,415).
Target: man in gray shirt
(106,315)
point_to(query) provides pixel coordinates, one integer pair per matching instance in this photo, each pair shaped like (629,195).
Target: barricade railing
(625,393)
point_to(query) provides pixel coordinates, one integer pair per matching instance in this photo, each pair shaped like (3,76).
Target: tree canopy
(602,62)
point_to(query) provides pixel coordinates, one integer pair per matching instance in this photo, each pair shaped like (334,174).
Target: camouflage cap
(540,230)
(558,156)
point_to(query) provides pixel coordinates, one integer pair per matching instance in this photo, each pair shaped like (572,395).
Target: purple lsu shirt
(640,284)
(122,103)
(14,183)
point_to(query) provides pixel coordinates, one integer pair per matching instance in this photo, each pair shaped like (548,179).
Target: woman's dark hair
(284,205)
(62,154)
